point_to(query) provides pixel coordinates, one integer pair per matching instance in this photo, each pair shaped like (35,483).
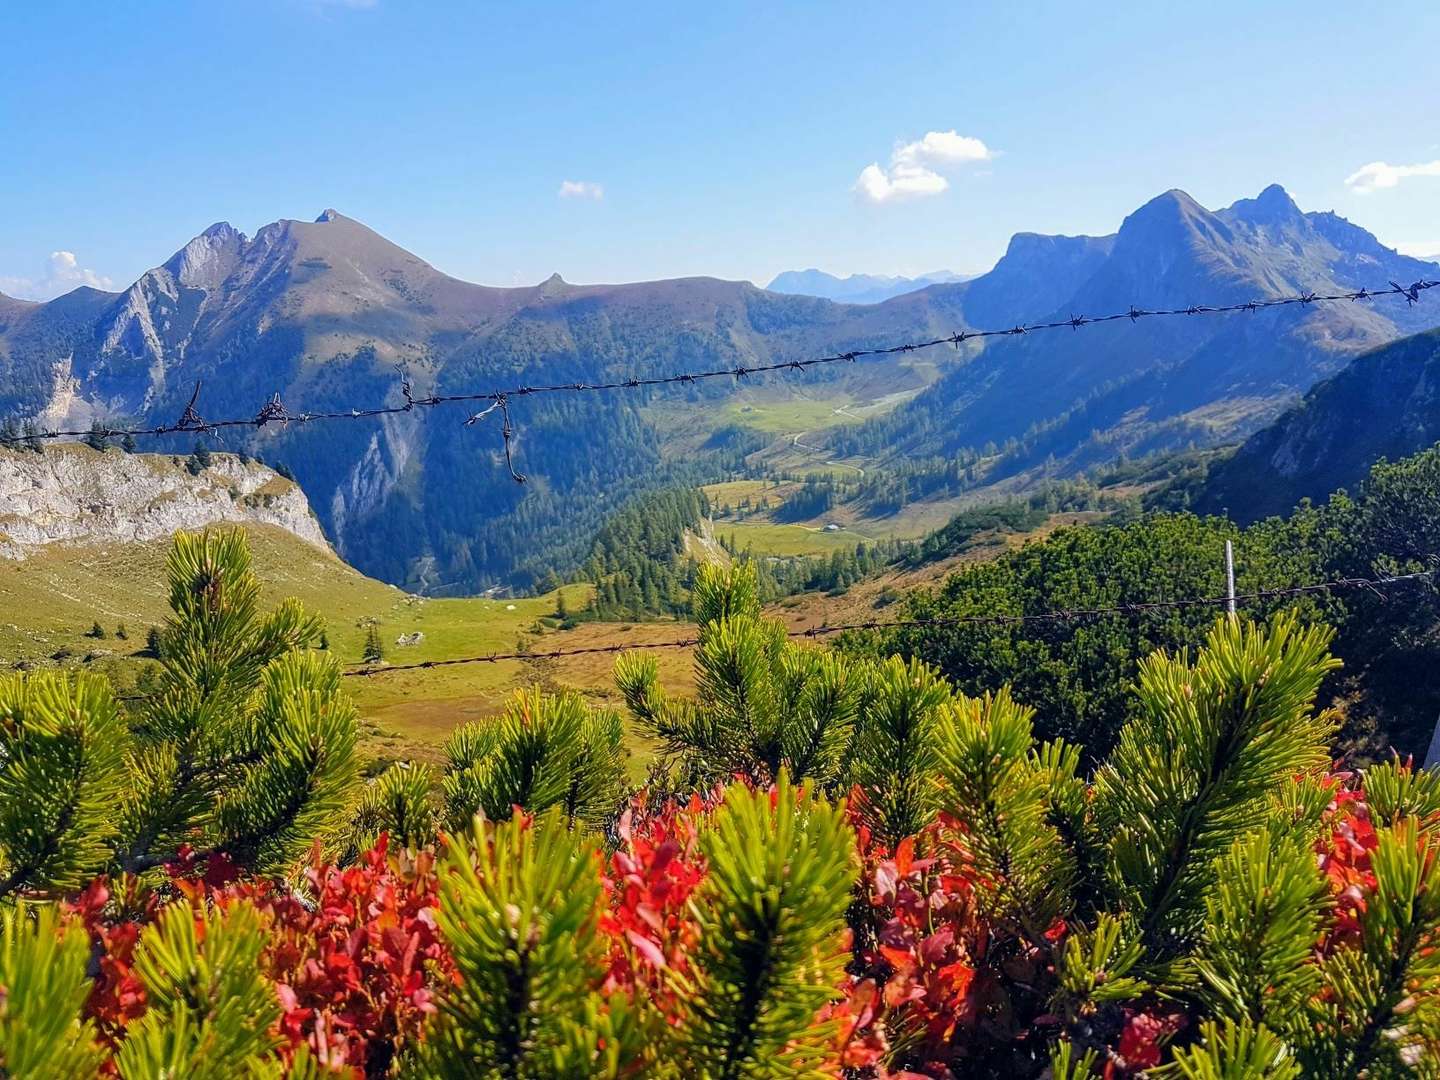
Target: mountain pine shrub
(931,893)
(767,704)
(542,751)
(246,746)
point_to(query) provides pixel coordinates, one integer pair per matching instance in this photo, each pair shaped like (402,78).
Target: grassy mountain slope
(51,600)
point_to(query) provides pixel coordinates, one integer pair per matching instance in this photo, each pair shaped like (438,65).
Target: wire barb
(273,411)
(190,420)
(505,432)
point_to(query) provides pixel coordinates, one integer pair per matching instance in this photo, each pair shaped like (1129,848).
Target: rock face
(73,493)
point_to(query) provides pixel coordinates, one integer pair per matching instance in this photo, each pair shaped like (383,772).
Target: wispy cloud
(354,5)
(581,189)
(917,168)
(1381,174)
(62,273)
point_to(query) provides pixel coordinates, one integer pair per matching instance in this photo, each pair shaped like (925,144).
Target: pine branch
(772,948)
(1199,766)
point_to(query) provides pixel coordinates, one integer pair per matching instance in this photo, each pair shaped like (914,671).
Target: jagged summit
(1273,206)
(224,230)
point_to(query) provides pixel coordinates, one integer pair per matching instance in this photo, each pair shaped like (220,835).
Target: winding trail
(798,445)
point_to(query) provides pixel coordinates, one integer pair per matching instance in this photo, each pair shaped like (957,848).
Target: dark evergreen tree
(373,651)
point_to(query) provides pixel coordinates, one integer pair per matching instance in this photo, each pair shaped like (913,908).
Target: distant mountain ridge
(324,312)
(857,288)
(1384,403)
(1059,402)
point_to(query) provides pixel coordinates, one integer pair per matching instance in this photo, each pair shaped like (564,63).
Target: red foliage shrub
(936,989)
(353,963)
(1344,856)
(648,882)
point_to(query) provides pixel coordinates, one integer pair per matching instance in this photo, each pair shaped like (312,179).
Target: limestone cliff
(71,493)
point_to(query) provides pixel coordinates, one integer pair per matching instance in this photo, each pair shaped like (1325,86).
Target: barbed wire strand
(274,411)
(1374,585)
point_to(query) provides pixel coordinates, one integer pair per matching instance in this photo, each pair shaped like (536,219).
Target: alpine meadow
(760,543)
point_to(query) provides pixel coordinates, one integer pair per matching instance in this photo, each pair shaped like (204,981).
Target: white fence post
(1230,578)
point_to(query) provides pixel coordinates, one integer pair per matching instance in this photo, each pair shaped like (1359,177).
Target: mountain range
(1062,401)
(322,313)
(857,288)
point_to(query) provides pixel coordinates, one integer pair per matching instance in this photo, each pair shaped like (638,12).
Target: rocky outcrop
(71,493)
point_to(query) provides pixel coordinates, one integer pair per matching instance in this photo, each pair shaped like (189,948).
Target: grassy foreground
(50,601)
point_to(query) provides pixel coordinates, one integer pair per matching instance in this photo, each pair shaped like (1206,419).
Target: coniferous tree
(63,748)
(247,745)
(771,920)
(210,1011)
(98,437)
(42,968)
(519,905)
(373,651)
(765,704)
(400,803)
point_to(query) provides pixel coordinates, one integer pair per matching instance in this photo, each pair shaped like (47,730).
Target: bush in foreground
(935,895)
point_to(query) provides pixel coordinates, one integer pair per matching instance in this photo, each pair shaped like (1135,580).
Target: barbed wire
(1375,585)
(274,410)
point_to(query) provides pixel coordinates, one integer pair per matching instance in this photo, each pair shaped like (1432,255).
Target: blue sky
(725,139)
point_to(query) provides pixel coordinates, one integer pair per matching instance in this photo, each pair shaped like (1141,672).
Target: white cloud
(939,149)
(916,168)
(1381,174)
(62,273)
(898,182)
(581,189)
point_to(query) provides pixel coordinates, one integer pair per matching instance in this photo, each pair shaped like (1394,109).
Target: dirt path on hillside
(798,445)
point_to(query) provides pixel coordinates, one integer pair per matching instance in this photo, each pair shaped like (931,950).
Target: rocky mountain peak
(328,214)
(1162,216)
(222,230)
(206,261)
(1273,206)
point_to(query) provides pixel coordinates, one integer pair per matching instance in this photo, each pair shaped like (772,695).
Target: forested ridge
(1077,672)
